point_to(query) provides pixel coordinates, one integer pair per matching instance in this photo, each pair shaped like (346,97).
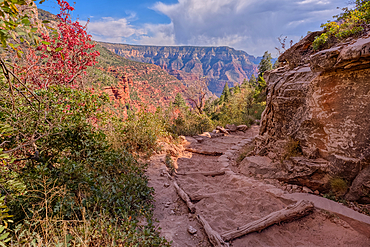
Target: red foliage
(61,56)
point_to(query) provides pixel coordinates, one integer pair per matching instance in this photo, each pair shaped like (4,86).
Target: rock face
(322,102)
(219,64)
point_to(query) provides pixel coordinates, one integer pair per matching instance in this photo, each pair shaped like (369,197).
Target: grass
(292,149)
(246,151)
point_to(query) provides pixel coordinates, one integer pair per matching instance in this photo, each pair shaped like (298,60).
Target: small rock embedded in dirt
(206,134)
(242,128)
(307,190)
(198,139)
(192,230)
(182,139)
(317,192)
(172,212)
(166,185)
(272,155)
(222,130)
(167,205)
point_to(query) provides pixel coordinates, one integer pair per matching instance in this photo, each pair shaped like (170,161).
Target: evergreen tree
(179,101)
(236,89)
(222,99)
(265,64)
(253,81)
(226,92)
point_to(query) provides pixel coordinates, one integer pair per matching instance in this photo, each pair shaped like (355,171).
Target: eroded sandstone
(321,101)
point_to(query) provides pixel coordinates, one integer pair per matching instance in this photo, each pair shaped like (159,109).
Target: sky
(249,25)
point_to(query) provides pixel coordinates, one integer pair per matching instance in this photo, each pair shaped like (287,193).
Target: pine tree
(236,89)
(226,92)
(179,101)
(253,81)
(265,64)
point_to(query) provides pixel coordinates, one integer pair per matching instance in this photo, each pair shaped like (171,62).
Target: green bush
(190,123)
(339,186)
(242,108)
(140,131)
(77,174)
(348,24)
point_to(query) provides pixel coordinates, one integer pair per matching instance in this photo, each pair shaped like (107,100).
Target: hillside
(219,64)
(131,84)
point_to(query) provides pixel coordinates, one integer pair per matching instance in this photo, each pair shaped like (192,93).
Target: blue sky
(249,25)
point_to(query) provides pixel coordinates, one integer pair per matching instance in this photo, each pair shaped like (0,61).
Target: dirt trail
(232,200)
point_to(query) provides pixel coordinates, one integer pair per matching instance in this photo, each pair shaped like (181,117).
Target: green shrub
(4,220)
(348,24)
(139,132)
(242,108)
(190,123)
(292,149)
(339,186)
(77,174)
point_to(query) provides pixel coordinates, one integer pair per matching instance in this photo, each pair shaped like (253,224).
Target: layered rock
(321,102)
(219,64)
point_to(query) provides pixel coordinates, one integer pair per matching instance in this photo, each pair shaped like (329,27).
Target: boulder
(306,172)
(258,165)
(231,127)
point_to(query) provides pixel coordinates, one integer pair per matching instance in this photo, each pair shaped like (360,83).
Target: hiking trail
(227,199)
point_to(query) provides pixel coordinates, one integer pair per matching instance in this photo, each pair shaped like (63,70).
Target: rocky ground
(237,197)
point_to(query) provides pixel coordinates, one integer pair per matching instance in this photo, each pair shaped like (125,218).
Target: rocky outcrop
(219,64)
(321,102)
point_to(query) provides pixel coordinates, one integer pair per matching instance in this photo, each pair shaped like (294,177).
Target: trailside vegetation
(349,23)
(241,104)
(64,178)
(69,166)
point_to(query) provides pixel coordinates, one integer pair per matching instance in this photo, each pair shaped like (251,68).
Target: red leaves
(62,56)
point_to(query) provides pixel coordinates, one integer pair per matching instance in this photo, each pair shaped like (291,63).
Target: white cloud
(113,30)
(160,34)
(249,25)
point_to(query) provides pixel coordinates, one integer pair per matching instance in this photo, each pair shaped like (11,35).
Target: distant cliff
(219,64)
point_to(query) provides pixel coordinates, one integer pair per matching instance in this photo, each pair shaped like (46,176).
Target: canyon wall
(320,102)
(219,64)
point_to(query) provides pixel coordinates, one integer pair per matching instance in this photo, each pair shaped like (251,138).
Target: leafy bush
(78,174)
(241,108)
(4,220)
(189,122)
(64,179)
(349,23)
(139,132)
